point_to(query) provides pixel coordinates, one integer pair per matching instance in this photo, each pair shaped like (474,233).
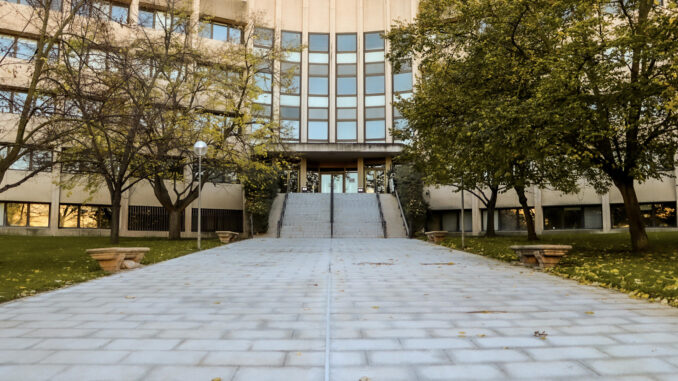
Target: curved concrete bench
(113,259)
(543,255)
(436,236)
(226,236)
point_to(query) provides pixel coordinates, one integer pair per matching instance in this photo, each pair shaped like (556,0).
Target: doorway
(343,182)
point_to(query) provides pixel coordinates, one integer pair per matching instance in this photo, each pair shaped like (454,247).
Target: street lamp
(200,149)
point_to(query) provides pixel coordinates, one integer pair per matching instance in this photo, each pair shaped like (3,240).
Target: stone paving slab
(400,310)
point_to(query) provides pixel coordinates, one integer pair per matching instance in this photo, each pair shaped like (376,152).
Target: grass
(601,259)
(29,265)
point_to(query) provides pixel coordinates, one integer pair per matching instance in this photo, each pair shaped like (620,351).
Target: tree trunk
(529,221)
(639,240)
(174,224)
(491,206)
(115,217)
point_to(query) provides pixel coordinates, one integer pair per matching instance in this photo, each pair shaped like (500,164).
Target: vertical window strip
(375,87)
(347,88)
(318,87)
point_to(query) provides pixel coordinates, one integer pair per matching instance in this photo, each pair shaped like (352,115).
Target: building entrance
(343,182)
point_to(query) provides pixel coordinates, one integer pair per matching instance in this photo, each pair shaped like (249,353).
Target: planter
(113,259)
(227,236)
(436,236)
(545,256)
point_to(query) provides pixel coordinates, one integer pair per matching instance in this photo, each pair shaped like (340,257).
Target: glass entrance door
(326,180)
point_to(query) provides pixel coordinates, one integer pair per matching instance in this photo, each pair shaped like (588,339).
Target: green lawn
(33,264)
(601,259)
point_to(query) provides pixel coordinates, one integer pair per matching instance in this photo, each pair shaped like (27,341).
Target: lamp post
(200,149)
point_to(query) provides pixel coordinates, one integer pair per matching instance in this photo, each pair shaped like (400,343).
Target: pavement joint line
(328,313)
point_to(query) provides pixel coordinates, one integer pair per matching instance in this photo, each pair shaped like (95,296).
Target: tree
(28,64)
(608,93)
(410,183)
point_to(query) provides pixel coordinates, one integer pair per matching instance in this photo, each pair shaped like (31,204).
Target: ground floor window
(29,214)
(507,219)
(573,217)
(84,216)
(655,215)
(150,218)
(217,220)
(449,220)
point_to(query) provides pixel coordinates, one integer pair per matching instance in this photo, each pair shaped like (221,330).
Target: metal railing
(400,206)
(381,215)
(332,208)
(282,214)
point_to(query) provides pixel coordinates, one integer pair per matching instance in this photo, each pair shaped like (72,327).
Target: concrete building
(338,119)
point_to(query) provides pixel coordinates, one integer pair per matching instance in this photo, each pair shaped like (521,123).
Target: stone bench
(113,259)
(436,236)
(227,236)
(543,255)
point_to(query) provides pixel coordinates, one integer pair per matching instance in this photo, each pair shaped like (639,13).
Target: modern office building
(337,119)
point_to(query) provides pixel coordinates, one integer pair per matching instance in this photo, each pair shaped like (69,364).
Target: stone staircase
(356,215)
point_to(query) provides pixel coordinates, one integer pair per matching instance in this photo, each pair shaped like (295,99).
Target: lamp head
(200,148)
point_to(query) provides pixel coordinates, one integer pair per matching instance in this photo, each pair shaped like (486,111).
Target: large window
(450,220)
(290,91)
(507,219)
(12,101)
(221,32)
(655,215)
(156,19)
(212,220)
(573,217)
(347,87)
(150,218)
(84,216)
(34,160)
(117,12)
(375,93)
(318,83)
(26,214)
(402,88)
(17,47)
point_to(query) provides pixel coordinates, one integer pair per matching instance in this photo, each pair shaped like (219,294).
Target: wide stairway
(357,215)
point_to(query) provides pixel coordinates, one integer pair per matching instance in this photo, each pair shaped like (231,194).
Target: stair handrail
(381,215)
(400,206)
(331,207)
(282,214)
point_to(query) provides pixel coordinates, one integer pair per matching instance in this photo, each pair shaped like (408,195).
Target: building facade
(337,117)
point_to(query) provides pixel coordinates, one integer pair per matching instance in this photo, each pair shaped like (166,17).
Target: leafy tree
(28,64)
(410,184)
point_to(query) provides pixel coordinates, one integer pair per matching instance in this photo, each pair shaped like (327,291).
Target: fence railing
(282,214)
(332,208)
(381,215)
(400,206)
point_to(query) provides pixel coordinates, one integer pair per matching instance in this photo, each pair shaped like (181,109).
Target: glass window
(374,68)
(317,130)
(105,216)
(318,69)
(264,81)
(318,102)
(235,35)
(347,101)
(346,130)
(219,32)
(26,48)
(119,13)
(88,217)
(68,216)
(290,112)
(318,113)
(290,129)
(16,214)
(23,163)
(347,114)
(346,86)
(146,18)
(346,42)
(375,100)
(346,70)
(39,215)
(375,129)
(318,85)
(6,45)
(374,85)
(375,113)
(402,82)
(290,68)
(290,100)
(318,42)
(373,41)
(263,37)
(290,40)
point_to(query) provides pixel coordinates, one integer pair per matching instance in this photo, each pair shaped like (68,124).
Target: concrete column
(607,216)
(303,168)
(195,17)
(124,212)
(303,128)
(388,77)
(361,172)
(277,35)
(538,211)
(476,216)
(361,71)
(55,200)
(333,73)
(134,12)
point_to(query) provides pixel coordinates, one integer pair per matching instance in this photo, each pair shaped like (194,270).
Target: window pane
(42,159)
(317,130)
(68,216)
(664,214)
(373,41)
(346,113)
(161,20)
(205,29)
(234,35)
(318,102)
(318,42)
(346,42)
(292,85)
(347,102)
(23,163)
(374,56)
(402,82)
(16,214)
(26,48)
(5,101)
(593,217)
(318,113)
(146,18)
(318,58)
(346,70)
(6,43)
(290,40)
(346,86)
(374,85)
(289,112)
(572,218)
(105,215)
(375,100)
(219,32)
(344,58)
(290,100)
(375,129)
(346,130)
(88,217)
(264,81)
(375,113)
(374,68)
(119,14)
(263,37)
(290,129)
(318,86)
(320,70)
(39,215)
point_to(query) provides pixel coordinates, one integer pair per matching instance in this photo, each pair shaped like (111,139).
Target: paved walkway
(257,310)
